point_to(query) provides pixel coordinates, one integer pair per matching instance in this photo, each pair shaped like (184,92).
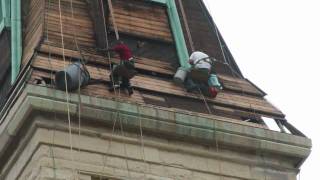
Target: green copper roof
(16,38)
(176,31)
(10,17)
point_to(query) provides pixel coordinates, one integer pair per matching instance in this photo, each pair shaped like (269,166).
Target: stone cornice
(153,120)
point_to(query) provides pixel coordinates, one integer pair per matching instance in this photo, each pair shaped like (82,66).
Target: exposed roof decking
(239,95)
(151,83)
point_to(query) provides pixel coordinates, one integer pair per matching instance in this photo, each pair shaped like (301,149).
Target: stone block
(235,170)
(139,166)
(179,173)
(152,155)
(213,165)
(158,170)
(204,176)
(165,115)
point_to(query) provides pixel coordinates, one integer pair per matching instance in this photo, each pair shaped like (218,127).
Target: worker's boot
(113,87)
(114,83)
(130,90)
(127,85)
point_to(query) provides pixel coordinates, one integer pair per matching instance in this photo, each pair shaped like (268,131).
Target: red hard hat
(213,91)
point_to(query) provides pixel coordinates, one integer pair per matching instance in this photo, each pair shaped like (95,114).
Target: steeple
(161,131)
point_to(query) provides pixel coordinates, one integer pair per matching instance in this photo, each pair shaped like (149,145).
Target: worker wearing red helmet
(127,61)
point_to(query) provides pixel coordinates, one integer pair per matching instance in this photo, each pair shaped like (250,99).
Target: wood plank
(143,19)
(168,87)
(230,83)
(141,63)
(33,29)
(138,97)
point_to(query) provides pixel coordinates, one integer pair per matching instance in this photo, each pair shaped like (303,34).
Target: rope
(216,31)
(51,149)
(215,122)
(117,37)
(142,143)
(107,42)
(113,20)
(117,113)
(227,62)
(66,84)
(51,83)
(205,101)
(109,144)
(225,59)
(79,75)
(186,25)
(125,147)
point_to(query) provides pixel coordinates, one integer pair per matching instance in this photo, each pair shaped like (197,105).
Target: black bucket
(75,74)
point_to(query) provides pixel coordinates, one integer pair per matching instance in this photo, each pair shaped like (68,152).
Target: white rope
(66,85)
(217,33)
(109,145)
(205,101)
(142,143)
(107,43)
(113,19)
(227,61)
(51,149)
(125,148)
(215,122)
(49,47)
(51,82)
(79,75)
(117,113)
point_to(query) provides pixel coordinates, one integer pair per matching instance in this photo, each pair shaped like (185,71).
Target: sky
(276,44)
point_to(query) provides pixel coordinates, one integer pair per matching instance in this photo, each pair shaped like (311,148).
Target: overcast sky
(276,45)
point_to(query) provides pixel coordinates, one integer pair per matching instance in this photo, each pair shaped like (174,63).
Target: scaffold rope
(66,90)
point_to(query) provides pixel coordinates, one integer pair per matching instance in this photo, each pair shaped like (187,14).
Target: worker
(125,70)
(202,75)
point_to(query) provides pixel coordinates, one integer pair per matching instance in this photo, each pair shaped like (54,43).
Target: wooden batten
(142,18)
(230,83)
(33,27)
(167,87)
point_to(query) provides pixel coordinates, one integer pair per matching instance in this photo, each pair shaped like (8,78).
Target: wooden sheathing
(142,18)
(76,24)
(33,21)
(139,97)
(150,83)
(230,83)
(238,96)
